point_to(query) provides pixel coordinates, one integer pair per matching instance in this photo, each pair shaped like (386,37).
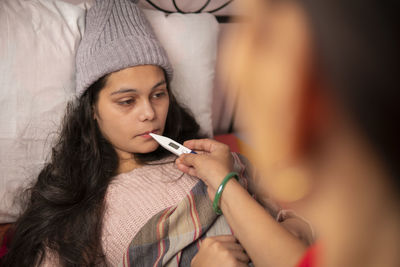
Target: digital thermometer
(171,145)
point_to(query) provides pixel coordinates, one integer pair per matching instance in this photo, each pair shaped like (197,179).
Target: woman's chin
(147,149)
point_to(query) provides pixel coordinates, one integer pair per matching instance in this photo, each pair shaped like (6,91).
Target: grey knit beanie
(117,36)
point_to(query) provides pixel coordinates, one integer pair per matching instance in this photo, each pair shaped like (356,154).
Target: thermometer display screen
(173,145)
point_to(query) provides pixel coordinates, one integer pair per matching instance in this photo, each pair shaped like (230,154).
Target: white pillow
(38,40)
(191,44)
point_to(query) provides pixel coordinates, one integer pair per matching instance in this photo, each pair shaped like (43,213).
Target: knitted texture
(117,36)
(134,197)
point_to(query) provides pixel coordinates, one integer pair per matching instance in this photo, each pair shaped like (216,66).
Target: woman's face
(133,103)
(266,59)
(307,152)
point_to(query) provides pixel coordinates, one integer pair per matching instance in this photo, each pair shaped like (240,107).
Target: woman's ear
(94,112)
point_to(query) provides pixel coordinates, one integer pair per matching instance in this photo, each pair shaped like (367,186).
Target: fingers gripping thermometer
(171,145)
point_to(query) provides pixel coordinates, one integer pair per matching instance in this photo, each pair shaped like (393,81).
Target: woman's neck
(127,163)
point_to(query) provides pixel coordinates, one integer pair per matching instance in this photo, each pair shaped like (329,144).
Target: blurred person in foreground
(320,82)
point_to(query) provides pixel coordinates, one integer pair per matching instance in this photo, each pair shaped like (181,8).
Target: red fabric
(230,140)
(3,249)
(309,258)
(5,242)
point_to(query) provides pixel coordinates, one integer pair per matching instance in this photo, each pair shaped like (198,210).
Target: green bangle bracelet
(220,189)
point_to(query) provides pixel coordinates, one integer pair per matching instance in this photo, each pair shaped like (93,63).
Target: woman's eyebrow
(130,90)
(121,91)
(158,84)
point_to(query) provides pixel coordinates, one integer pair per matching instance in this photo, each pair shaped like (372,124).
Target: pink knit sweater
(134,197)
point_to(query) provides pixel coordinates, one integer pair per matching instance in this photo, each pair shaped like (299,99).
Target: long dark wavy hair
(65,207)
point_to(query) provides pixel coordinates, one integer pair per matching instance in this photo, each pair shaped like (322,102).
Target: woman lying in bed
(108,183)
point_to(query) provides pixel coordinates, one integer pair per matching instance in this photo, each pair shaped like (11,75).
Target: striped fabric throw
(173,236)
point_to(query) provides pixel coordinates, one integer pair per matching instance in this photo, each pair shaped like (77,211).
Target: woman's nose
(147,111)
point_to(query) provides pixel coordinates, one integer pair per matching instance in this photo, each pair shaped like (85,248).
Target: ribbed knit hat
(117,36)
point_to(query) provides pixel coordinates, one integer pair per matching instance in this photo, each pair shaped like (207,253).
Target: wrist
(216,203)
(231,191)
(215,179)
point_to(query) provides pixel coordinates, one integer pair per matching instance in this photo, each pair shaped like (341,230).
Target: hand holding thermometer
(171,145)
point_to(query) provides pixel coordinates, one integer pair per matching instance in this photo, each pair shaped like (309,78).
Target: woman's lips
(147,135)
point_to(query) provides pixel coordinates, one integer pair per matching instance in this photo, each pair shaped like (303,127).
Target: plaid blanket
(173,236)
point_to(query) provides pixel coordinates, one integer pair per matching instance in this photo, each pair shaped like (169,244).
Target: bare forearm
(266,242)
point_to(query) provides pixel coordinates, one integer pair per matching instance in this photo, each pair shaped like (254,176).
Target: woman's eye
(159,94)
(126,102)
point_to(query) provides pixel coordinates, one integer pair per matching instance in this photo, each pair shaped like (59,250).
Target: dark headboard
(202,9)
